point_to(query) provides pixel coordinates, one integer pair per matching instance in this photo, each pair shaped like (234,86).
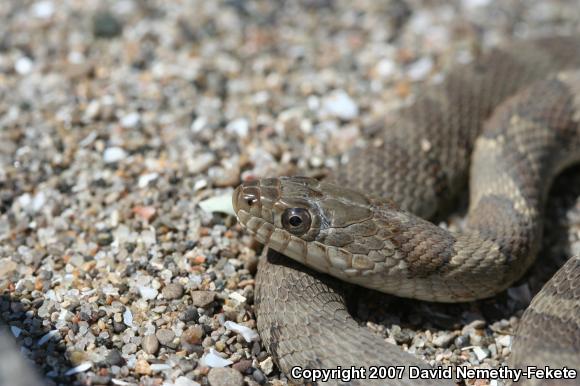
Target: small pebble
(150,344)
(193,335)
(267,365)
(444,340)
(340,105)
(202,298)
(461,341)
(106,25)
(142,367)
(184,381)
(189,315)
(243,365)
(481,353)
(504,340)
(225,376)
(165,336)
(114,358)
(172,291)
(259,376)
(114,154)
(213,359)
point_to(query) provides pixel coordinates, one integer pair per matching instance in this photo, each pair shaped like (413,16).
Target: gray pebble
(202,298)
(259,376)
(172,291)
(477,324)
(119,327)
(106,25)
(150,344)
(129,348)
(400,336)
(444,340)
(165,336)
(104,238)
(225,376)
(243,365)
(114,358)
(100,379)
(461,341)
(189,315)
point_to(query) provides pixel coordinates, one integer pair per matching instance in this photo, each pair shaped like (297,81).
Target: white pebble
(88,139)
(148,237)
(114,154)
(313,102)
(199,184)
(420,69)
(79,369)
(24,200)
(184,381)
(160,367)
(248,334)
(237,297)
(475,3)
(386,68)
(339,104)
(148,293)
(267,366)
(120,382)
(145,179)
(480,353)
(239,127)
(504,340)
(198,124)
(43,9)
(23,65)
(130,120)
(212,359)
(128,318)
(47,337)
(38,201)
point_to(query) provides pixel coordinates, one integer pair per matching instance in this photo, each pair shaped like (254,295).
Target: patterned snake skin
(374,232)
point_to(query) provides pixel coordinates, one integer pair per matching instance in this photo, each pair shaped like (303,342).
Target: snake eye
(296,221)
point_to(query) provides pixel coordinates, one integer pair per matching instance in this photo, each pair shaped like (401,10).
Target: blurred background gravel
(117,118)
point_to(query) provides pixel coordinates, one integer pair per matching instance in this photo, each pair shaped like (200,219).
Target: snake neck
(525,144)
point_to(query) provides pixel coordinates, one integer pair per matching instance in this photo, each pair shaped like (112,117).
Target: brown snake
(368,226)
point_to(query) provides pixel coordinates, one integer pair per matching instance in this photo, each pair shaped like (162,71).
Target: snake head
(319,224)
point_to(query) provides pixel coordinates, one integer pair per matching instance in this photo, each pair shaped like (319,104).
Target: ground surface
(118,118)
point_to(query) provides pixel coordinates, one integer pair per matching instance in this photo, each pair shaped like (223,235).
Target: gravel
(225,376)
(120,117)
(150,344)
(173,291)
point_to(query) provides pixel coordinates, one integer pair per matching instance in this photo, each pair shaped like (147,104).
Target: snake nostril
(250,200)
(249,197)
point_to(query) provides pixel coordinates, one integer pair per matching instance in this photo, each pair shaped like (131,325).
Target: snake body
(509,121)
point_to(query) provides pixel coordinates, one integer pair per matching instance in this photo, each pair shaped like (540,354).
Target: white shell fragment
(222,204)
(80,368)
(128,318)
(114,154)
(212,359)
(340,105)
(148,293)
(248,334)
(48,336)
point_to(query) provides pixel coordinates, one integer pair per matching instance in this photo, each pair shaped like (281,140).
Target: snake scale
(507,124)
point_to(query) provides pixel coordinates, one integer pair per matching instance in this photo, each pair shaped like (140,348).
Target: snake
(502,126)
